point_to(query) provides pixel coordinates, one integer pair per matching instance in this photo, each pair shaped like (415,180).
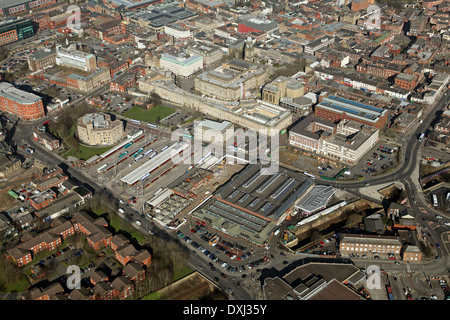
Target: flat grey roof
(8,91)
(316,199)
(268,195)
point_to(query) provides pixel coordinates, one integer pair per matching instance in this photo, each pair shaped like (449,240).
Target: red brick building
(431,3)
(123,287)
(25,105)
(97,235)
(118,66)
(104,291)
(117,241)
(123,83)
(406,81)
(125,253)
(359,5)
(41,21)
(97,277)
(380,70)
(335,109)
(134,272)
(42,199)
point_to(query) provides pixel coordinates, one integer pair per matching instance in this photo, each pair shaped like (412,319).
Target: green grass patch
(157,113)
(152,296)
(20,285)
(183,272)
(191,120)
(84,152)
(118,224)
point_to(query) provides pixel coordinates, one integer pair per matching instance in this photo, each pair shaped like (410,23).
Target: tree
(155,98)
(3,53)
(291,68)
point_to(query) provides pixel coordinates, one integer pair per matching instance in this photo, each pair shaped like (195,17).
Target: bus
(145,177)
(157,192)
(102,168)
(123,154)
(435,201)
(13,194)
(153,154)
(138,152)
(139,158)
(164,148)
(422,135)
(309,175)
(153,126)
(135,121)
(128,145)
(146,153)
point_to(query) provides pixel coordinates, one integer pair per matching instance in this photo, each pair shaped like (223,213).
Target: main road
(407,166)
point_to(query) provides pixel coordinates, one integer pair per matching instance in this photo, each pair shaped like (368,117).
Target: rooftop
(352,108)
(10,92)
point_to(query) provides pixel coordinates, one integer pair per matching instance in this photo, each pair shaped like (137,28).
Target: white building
(181,64)
(177,31)
(76,59)
(347,141)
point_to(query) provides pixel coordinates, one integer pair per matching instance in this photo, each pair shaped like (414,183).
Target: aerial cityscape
(225,150)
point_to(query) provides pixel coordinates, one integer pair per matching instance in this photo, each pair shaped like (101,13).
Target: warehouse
(152,164)
(253,202)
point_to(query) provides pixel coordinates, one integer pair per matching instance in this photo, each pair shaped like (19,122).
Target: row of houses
(122,287)
(97,236)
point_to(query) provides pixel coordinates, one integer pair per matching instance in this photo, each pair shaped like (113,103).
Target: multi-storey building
(282,87)
(41,21)
(364,244)
(406,81)
(231,81)
(181,64)
(23,253)
(208,130)
(334,108)
(15,7)
(347,141)
(443,125)
(177,31)
(380,70)
(123,83)
(76,59)
(25,105)
(41,59)
(11,31)
(97,235)
(90,82)
(98,129)
(209,52)
(358,5)
(318,44)
(95,230)
(412,253)
(417,25)
(48,181)
(42,199)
